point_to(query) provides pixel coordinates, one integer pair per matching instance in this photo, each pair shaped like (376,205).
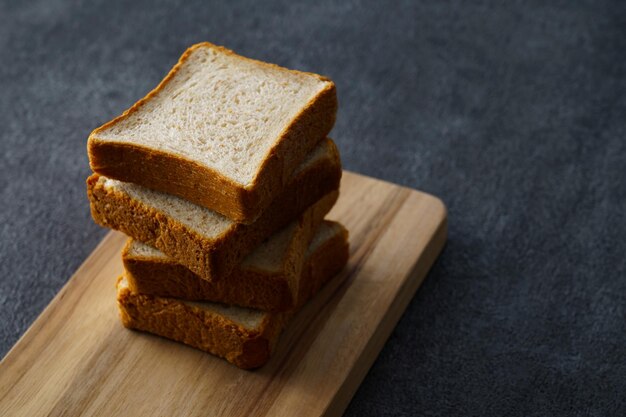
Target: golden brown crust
(323,264)
(208,258)
(213,333)
(207,187)
(246,287)
(177,176)
(218,257)
(200,328)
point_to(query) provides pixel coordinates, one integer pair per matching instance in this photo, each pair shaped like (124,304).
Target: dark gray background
(513,114)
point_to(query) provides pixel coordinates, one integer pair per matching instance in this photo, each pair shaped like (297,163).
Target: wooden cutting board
(77,359)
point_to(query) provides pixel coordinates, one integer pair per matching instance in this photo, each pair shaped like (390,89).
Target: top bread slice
(222,131)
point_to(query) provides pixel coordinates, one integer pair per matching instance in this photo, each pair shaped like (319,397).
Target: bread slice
(204,241)
(268,279)
(223,131)
(244,337)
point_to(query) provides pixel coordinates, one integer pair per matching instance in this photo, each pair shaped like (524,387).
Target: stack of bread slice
(221,177)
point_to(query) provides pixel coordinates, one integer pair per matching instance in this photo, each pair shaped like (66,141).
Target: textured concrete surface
(514,115)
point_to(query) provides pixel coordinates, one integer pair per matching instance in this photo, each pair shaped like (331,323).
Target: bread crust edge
(203,185)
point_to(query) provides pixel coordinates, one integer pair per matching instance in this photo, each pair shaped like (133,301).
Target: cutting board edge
(384,329)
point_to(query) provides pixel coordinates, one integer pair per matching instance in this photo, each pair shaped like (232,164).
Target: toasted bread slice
(204,241)
(244,337)
(268,279)
(222,131)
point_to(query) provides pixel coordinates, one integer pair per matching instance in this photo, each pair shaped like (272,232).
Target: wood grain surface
(77,359)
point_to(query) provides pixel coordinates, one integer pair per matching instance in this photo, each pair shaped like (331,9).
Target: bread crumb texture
(221,110)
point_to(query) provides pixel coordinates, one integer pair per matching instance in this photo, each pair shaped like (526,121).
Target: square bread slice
(268,279)
(222,131)
(206,242)
(243,336)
